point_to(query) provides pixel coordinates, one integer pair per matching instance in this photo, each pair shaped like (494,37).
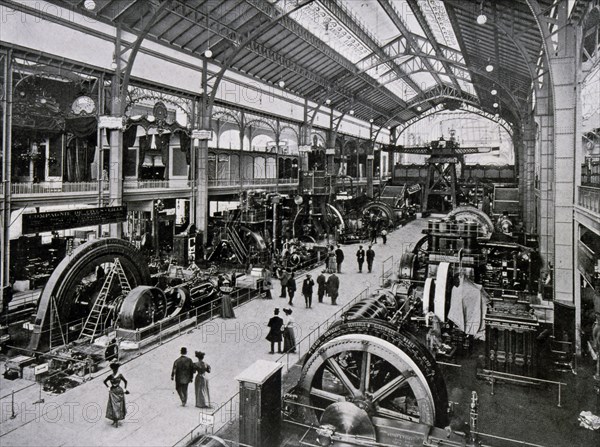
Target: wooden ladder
(92,322)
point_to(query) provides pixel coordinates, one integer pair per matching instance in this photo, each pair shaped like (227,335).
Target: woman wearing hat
(226,306)
(201,382)
(289,336)
(115,409)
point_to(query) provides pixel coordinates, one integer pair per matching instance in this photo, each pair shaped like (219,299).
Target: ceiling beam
(123,10)
(341,14)
(414,6)
(293,26)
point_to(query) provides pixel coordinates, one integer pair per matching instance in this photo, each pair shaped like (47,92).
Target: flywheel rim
(375,348)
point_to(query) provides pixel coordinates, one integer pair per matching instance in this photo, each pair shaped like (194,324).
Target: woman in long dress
(201,382)
(226,306)
(115,409)
(331,261)
(289,336)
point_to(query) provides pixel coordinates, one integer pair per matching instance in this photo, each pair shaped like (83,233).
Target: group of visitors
(182,374)
(335,258)
(288,285)
(282,329)
(361,255)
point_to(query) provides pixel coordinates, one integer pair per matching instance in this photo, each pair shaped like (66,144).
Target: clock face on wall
(83,104)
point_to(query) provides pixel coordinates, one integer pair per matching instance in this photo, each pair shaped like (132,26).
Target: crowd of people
(281,330)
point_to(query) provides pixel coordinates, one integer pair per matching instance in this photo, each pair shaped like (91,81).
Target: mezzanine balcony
(589,198)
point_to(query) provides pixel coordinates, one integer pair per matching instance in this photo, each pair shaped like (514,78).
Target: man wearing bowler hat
(183,373)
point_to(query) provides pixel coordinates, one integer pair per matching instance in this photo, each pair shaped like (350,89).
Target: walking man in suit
(284,276)
(321,280)
(307,290)
(333,285)
(339,258)
(274,335)
(360,258)
(291,288)
(183,373)
(370,257)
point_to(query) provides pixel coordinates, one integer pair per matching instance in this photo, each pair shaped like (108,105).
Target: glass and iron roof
(386,60)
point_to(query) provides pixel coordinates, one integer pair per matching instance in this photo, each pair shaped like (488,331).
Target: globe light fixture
(90,5)
(495,105)
(419,108)
(328,101)
(281,83)
(482,19)
(489,68)
(371,120)
(494,92)
(351,111)
(208,53)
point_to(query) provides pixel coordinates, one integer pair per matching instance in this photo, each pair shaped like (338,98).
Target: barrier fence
(165,331)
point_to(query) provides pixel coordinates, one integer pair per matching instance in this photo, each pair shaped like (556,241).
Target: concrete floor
(155,417)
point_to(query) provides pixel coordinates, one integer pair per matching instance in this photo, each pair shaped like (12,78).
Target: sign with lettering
(40,369)
(110,122)
(330,151)
(370,157)
(413,188)
(202,134)
(63,220)
(304,148)
(207,419)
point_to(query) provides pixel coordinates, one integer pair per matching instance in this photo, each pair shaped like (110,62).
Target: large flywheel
(379,211)
(385,372)
(75,283)
(470,214)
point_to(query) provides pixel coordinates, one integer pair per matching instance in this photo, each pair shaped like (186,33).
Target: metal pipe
(6,172)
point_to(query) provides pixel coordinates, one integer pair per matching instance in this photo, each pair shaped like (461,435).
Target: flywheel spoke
(388,388)
(365,378)
(326,395)
(391,414)
(341,374)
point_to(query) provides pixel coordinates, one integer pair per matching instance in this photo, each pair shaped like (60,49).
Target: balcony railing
(590,171)
(54,187)
(589,198)
(226,183)
(134,184)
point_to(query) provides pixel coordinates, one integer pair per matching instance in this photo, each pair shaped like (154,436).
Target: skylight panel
(321,23)
(404,11)
(374,18)
(466,87)
(439,22)
(445,79)
(424,80)
(401,89)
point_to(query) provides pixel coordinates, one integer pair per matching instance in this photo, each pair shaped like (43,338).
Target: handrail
(54,187)
(499,375)
(156,184)
(318,329)
(222,183)
(589,198)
